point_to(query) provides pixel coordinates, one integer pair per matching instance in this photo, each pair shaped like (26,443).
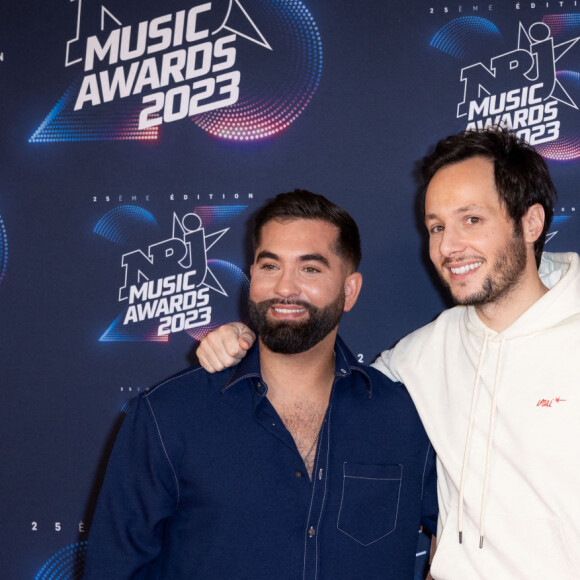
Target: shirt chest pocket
(370,501)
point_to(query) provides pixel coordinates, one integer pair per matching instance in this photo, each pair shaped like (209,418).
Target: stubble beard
(508,270)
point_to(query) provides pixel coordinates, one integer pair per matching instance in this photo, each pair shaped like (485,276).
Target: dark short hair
(521,175)
(305,205)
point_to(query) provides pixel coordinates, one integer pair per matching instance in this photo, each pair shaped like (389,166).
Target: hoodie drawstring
(489,442)
(489,446)
(468,439)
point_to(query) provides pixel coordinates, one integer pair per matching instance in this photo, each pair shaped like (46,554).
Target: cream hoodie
(503,413)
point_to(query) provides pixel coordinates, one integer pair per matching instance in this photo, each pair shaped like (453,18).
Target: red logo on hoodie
(548,402)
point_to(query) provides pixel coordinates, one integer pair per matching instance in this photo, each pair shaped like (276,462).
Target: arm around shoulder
(383,363)
(225,347)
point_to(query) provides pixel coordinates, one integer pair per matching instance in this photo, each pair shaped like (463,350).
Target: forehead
(469,182)
(299,236)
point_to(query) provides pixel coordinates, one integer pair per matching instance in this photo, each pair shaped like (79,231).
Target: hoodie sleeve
(385,364)
(138,495)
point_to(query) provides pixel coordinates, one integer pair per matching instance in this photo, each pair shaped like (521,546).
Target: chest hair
(303,419)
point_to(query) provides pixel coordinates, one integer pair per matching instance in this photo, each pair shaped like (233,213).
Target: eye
(311,270)
(436,229)
(473,220)
(268,267)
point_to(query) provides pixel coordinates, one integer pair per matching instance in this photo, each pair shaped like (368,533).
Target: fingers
(225,346)
(208,361)
(246,337)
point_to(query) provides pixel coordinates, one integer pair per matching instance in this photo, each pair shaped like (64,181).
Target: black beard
(508,270)
(289,337)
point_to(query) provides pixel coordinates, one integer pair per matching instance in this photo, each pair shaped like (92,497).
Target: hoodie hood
(560,273)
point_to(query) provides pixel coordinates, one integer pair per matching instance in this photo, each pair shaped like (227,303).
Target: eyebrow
(266,255)
(315,258)
(458,211)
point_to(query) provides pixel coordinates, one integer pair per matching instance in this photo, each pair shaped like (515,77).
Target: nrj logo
(171,286)
(154,291)
(520,88)
(224,64)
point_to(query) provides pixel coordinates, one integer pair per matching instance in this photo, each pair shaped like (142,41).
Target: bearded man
(301,463)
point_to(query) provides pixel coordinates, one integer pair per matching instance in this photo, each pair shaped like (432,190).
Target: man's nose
(451,242)
(286,284)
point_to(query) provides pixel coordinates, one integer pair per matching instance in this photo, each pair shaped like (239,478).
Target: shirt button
(299,474)
(311,532)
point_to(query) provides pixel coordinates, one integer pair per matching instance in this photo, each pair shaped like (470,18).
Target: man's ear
(533,223)
(352,286)
(251,270)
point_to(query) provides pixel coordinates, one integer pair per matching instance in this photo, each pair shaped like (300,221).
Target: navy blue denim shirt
(205,481)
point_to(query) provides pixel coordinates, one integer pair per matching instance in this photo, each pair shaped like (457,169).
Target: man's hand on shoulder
(225,347)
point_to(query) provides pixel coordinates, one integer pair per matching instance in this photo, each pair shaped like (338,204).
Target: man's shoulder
(191,386)
(420,343)
(383,387)
(380,384)
(391,402)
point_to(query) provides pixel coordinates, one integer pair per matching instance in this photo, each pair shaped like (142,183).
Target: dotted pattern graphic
(457,36)
(67,564)
(218,215)
(563,23)
(64,124)
(265,108)
(120,224)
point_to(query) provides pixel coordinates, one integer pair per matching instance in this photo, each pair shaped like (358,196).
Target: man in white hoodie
(494,379)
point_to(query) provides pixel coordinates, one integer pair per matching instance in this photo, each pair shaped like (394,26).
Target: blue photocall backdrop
(137,140)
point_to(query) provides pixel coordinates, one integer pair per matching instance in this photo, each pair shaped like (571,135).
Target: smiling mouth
(465,269)
(288,310)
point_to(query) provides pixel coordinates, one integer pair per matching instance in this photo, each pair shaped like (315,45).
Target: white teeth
(288,310)
(465,269)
